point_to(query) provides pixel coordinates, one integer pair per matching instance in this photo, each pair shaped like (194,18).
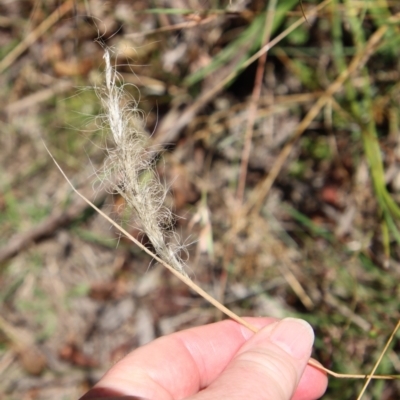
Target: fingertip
(312,385)
(270,364)
(294,336)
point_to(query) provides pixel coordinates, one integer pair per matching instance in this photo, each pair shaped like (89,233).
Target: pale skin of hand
(219,361)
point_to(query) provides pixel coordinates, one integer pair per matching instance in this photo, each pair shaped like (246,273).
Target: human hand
(219,361)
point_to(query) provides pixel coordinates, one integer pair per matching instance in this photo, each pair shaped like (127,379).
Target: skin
(219,361)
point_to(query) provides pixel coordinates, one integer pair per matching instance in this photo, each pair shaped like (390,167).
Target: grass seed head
(130,167)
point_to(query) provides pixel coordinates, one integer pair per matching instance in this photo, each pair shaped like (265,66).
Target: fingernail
(294,336)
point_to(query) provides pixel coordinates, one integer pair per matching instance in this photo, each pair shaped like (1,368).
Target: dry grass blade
(371,376)
(285,33)
(35,34)
(254,103)
(168,133)
(256,200)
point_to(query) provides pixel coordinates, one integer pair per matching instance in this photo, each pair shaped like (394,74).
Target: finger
(178,365)
(312,384)
(268,366)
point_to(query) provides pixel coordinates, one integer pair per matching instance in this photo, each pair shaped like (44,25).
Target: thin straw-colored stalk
(129,160)
(199,290)
(177,273)
(371,376)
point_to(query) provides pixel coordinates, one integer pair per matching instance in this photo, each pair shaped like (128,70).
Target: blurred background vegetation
(284,173)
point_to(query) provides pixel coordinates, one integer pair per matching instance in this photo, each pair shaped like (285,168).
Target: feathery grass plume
(132,166)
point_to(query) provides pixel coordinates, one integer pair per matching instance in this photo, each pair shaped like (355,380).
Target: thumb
(268,366)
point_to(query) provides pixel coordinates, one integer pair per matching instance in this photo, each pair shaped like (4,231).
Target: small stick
(198,289)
